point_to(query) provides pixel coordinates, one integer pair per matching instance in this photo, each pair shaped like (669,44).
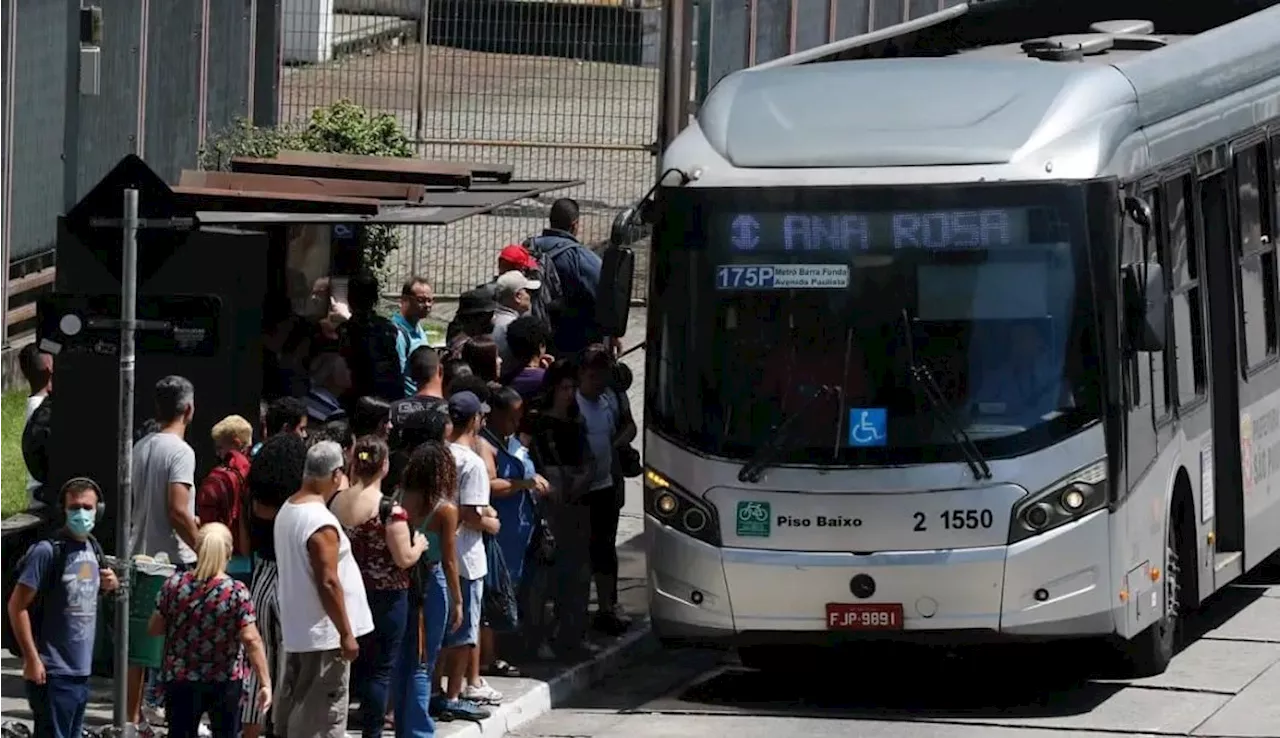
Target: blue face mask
(80,522)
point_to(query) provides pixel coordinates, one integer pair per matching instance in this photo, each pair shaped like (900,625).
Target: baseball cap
(476,301)
(466,405)
(517,256)
(514,281)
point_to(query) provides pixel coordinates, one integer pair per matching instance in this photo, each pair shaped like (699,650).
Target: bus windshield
(764,299)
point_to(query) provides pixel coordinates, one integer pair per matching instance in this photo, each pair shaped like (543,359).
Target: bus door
(1218,254)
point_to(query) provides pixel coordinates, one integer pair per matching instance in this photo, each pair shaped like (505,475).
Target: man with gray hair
(330,380)
(323,608)
(513,293)
(164,502)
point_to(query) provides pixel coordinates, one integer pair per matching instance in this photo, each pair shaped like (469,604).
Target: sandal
(500,668)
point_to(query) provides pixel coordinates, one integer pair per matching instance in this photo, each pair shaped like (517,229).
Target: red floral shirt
(203,619)
(369,546)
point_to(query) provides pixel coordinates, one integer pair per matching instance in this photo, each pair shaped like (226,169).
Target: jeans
(412,681)
(186,702)
(57,706)
(571,523)
(379,652)
(469,632)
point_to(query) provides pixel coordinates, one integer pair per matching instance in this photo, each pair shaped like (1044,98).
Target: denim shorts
(469,633)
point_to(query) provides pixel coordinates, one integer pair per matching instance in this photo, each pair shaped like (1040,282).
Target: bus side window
(1256,251)
(1159,365)
(1190,364)
(1137,374)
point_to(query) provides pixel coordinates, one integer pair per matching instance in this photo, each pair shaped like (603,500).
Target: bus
(966,331)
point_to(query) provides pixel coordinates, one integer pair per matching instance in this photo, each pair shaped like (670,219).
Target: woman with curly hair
(428,487)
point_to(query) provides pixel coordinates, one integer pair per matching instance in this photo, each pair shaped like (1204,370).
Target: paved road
(1225,684)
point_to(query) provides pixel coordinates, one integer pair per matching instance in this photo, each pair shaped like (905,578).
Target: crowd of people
(411,521)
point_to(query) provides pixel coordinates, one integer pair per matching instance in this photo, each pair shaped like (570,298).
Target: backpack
(35,441)
(368,343)
(51,577)
(548,300)
(234,484)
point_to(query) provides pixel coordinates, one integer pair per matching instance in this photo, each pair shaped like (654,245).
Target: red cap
(516,256)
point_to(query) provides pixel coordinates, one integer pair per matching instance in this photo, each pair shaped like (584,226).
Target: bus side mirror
(613,294)
(1145,306)
(626,228)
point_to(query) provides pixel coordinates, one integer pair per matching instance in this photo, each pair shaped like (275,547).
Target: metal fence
(736,34)
(559,90)
(168,72)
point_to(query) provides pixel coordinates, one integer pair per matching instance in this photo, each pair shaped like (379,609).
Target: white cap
(511,282)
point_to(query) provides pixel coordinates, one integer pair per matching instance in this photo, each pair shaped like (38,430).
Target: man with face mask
(54,614)
(323,607)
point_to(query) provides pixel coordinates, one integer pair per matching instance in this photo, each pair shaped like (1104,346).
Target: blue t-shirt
(410,338)
(69,608)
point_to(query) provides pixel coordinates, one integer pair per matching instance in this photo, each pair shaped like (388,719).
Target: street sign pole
(124,456)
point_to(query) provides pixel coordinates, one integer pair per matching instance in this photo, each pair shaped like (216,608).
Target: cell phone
(338,288)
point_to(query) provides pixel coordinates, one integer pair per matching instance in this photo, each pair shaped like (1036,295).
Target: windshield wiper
(777,442)
(923,376)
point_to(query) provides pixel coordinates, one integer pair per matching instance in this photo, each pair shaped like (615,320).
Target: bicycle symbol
(867,427)
(753,512)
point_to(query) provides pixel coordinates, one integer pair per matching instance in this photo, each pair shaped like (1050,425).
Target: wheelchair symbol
(867,427)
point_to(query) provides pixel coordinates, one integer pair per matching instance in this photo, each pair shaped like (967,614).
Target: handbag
(628,458)
(543,545)
(500,605)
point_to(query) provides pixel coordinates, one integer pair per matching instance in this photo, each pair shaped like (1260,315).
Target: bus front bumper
(1054,585)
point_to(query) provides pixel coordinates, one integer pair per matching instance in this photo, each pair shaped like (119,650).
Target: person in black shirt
(275,474)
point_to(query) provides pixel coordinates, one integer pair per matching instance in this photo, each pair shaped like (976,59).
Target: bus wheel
(767,658)
(1152,650)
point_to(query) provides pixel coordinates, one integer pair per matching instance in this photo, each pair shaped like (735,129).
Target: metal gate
(558,89)
(736,34)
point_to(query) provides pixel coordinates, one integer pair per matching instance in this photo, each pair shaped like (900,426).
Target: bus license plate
(843,616)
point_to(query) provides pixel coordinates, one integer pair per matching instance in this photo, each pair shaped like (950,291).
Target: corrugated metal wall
(196,78)
(735,34)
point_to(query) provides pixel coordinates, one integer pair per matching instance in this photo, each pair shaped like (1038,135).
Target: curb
(545,696)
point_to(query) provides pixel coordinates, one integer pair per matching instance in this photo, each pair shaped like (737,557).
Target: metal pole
(124,451)
(673,105)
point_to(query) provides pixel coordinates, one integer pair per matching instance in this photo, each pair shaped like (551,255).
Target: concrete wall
(307,33)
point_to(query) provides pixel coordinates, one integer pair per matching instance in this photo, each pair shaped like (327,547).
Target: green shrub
(341,128)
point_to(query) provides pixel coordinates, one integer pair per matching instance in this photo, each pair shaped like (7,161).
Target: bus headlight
(1069,499)
(679,509)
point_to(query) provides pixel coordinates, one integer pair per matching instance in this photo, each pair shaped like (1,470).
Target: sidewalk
(526,698)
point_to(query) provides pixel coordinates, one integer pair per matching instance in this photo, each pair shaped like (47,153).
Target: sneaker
(205,731)
(610,624)
(435,708)
(461,709)
(482,693)
(153,714)
(576,653)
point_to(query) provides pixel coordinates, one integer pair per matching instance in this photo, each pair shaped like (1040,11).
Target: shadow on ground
(896,681)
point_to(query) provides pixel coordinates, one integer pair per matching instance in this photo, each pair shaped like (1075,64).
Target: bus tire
(1150,652)
(767,658)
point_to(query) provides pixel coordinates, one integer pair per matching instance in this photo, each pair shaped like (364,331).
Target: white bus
(967,330)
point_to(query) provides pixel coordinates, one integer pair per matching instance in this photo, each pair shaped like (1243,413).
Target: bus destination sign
(880,231)
(782,276)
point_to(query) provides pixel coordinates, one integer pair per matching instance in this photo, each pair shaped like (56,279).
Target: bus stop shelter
(267,227)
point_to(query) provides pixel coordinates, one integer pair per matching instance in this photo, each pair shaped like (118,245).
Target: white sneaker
(205,731)
(153,714)
(482,693)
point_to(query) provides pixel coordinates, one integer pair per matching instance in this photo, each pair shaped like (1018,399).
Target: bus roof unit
(950,99)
